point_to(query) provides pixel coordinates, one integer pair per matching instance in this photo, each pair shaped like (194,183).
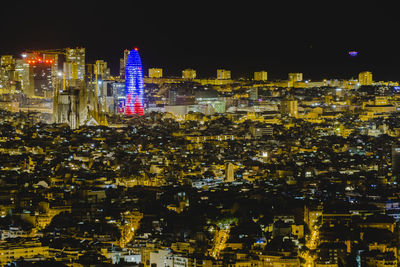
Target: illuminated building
(22,74)
(365,78)
(42,79)
(6,60)
(26,250)
(219,106)
(379,105)
(396,161)
(74,65)
(253,93)
(38,71)
(223,74)
(101,73)
(134,88)
(311,215)
(122,64)
(180,97)
(259,131)
(295,77)
(155,73)
(101,69)
(38,75)
(7,74)
(229,172)
(260,76)
(189,74)
(289,107)
(172,95)
(118,92)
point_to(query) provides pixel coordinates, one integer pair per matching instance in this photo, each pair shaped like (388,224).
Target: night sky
(244,37)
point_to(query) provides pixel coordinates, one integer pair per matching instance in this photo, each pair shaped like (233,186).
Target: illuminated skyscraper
(37,76)
(7,70)
(22,74)
(122,64)
(74,67)
(134,89)
(101,69)
(42,79)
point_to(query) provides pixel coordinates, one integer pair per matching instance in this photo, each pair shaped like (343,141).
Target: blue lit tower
(134,89)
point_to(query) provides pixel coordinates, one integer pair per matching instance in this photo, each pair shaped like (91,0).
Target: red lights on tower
(136,48)
(39,60)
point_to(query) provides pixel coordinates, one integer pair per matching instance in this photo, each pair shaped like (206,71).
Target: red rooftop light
(39,60)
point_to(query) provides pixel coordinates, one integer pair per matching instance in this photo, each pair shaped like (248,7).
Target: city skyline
(205,135)
(279,38)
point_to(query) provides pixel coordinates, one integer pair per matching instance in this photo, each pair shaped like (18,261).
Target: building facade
(74,66)
(295,77)
(189,74)
(223,74)
(155,73)
(365,78)
(260,76)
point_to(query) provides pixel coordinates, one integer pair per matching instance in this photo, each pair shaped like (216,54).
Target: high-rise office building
(365,78)
(101,85)
(155,73)
(42,79)
(122,64)
(22,74)
(189,74)
(36,74)
(295,77)
(260,76)
(223,74)
(74,66)
(40,67)
(7,73)
(134,88)
(101,69)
